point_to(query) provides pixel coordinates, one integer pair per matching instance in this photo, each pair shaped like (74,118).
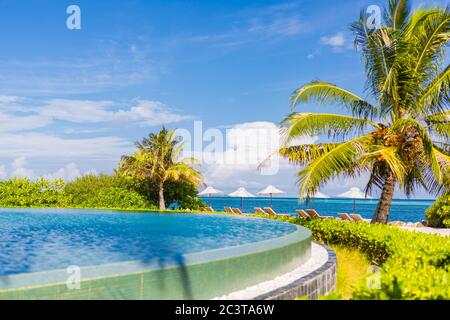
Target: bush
(117,198)
(40,193)
(92,191)
(438,215)
(84,188)
(413,265)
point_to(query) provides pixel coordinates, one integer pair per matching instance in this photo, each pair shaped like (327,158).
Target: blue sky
(73,101)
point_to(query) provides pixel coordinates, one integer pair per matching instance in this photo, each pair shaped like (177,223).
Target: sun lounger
(208,209)
(345,217)
(397,223)
(314,214)
(420,225)
(358,218)
(302,214)
(271,212)
(238,211)
(228,210)
(260,211)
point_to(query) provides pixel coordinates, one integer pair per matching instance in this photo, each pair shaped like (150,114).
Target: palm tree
(157,160)
(402,137)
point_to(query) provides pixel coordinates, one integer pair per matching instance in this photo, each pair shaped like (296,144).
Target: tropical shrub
(117,198)
(40,193)
(413,265)
(438,215)
(84,188)
(183,195)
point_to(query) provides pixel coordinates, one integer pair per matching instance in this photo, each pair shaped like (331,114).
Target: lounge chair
(228,210)
(236,210)
(414,225)
(302,214)
(271,212)
(260,211)
(420,225)
(314,214)
(397,223)
(208,209)
(358,218)
(345,217)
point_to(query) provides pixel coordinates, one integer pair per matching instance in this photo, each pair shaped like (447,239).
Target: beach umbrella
(208,192)
(320,195)
(354,193)
(271,190)
(241,193)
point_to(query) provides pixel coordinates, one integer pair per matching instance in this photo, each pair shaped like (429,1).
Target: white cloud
(149,113)
(19,170)
(69,172)
(22,114)
(268,23)
(337,42)
(78,111)
(248,144)
(14,123)
(140,112)
(42,145)
(8,99)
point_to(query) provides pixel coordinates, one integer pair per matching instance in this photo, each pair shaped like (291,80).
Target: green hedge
(413,265)
(40,193)
(438,215)
(117,198)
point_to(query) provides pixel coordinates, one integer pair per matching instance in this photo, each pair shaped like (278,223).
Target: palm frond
(428,41)
(324,92)
(341,159)
(304,154)
(436,95)
(334,125)
(397,13)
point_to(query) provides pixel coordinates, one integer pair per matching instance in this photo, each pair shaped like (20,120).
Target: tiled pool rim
(204,275)
(318,283)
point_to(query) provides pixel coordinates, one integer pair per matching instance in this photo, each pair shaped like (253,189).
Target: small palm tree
(402,137)
(157,160)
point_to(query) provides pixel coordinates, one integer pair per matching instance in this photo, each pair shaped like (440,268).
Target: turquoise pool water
(34,240)
(402,210)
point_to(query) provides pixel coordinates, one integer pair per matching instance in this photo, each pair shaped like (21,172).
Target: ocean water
(33,240)
(402,210)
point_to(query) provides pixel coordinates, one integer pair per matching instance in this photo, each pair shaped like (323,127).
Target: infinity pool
(38,245)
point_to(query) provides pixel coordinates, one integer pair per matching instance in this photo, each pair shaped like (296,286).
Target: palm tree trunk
(384,205)
(162,202)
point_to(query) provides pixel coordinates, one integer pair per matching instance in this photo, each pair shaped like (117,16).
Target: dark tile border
(313,285)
